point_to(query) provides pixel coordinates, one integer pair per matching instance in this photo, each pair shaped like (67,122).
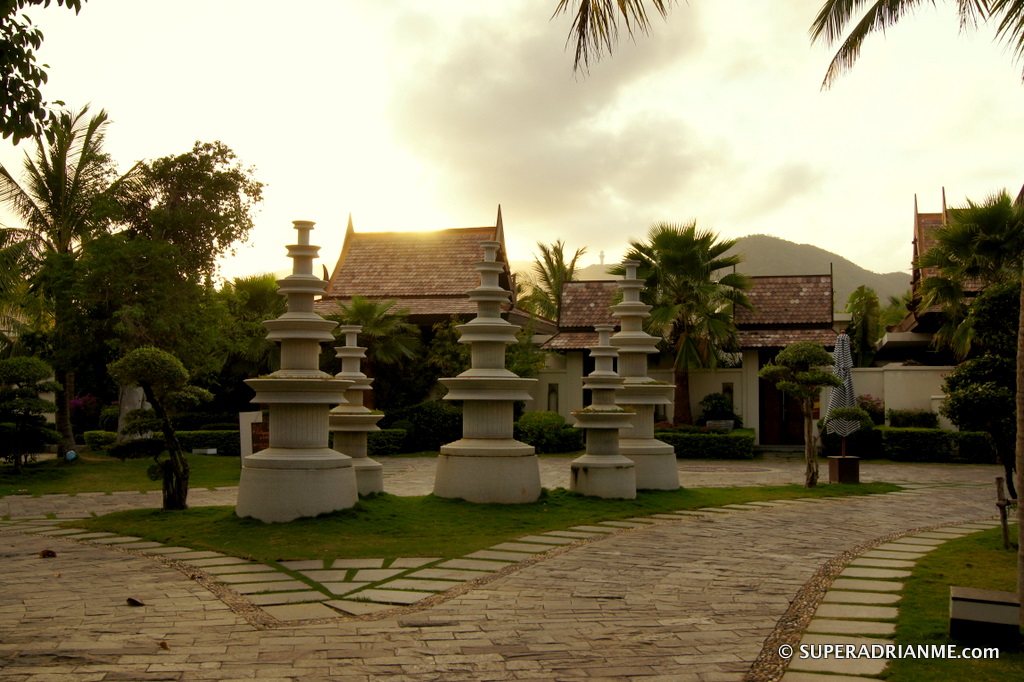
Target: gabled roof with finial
(429,273)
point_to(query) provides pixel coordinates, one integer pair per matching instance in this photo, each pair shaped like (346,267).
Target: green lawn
(977,560)
(390,526)
(101,473)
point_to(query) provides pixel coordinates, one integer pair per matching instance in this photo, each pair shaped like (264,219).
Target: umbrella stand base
(844,469)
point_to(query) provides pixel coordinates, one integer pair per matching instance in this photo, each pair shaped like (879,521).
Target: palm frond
(595,24)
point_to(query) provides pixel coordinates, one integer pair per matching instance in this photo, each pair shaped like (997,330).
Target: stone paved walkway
(678,597)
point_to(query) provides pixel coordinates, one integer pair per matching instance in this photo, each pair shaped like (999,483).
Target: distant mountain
(767,255)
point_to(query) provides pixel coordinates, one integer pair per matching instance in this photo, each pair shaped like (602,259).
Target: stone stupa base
(654,470)
(280,486)
(610,477)
(479,470)
(369,475)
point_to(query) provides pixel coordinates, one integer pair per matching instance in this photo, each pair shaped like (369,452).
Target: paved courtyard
(703,596)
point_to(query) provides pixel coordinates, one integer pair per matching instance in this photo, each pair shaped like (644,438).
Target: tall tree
(202,202)
(800,370)
(550,272)
(981,246)
(595,24)
(865,324)
(836,17)
(67,197)
(23,112)
(978,247)
(691,284)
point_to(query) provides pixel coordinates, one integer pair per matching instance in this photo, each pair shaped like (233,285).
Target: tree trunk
(175,469)
(1019,452)
(62,416)
(681,412)
(810,453)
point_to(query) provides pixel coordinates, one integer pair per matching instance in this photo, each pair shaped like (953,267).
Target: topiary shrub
(219,426)
(718,407)
(99,440)
(385,442)
(913,419)
(434,423)
(137,448)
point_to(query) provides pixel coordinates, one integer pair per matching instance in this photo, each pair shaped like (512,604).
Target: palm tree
(835,17)
(980,245)
(67,197)
(387,335)
(865,324)
(550,272)
(692,303)
(596,24)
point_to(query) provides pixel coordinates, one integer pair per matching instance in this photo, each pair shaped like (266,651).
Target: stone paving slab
(422,585)
(903,547)
(528,548)
(546,539)
(357,563)
(857,666)
(796,676)
(372,575)
(232,578)
(902,556)
(883,573)
(412,562)
(917,540)
(500,556)
(847,597)
(473,565)
(850,611)
(882,563)
(869,585)
(392,596)
(281,586)
(850,627)
(594,529)
(356,608)
(623,524)
(296,597)
(343,588)
(305,564)
(445,574)
(329,575)
(300,611)
(237,568)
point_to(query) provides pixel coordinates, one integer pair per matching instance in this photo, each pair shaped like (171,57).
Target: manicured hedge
(137,448)
(737,444)
(384,442)
(913,419)
(226,442)
(99,440)
(915,445)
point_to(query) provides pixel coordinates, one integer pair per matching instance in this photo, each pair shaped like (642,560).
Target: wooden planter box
(844,469)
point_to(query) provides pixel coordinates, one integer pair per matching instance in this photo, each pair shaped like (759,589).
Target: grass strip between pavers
(979,561)
(386,525)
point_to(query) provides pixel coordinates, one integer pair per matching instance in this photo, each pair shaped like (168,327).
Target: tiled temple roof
(584,304)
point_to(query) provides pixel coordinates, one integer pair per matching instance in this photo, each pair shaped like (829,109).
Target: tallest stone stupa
(298,475)
(488,464)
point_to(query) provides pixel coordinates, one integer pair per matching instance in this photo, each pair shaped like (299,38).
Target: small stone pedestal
(488,464)
(351,422)
(844,469)
(984,617)
(656,465)
(298,475)
(601,471)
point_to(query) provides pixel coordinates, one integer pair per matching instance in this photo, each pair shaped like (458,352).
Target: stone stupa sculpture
(656,466)
(602,471)
(298,475)
(487,464)
(351,422)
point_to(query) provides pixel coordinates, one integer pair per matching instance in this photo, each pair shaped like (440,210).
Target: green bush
(874,407)
(220,426)
(737,444)
(202,421)
(227,443)
(915,445)
(99,440)
(434,423)
(717,407)
(540,429)
(137,448)
(385,442)
(913,419)
(109,417)
(570,439)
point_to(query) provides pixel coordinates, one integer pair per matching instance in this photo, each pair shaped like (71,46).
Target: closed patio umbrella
(842,395)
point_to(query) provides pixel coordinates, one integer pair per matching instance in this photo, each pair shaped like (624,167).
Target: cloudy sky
(418,115)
